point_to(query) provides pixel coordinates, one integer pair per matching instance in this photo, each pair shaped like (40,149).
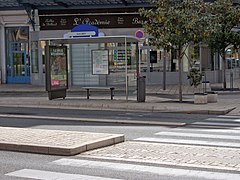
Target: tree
(174,24)
(225,17)
(195,76)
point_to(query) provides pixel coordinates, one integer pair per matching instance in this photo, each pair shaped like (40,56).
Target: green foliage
(176,23)
(195,77)
(194,49)
(225,17)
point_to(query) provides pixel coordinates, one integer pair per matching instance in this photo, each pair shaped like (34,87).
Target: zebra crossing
(48,175)
(222,121)
(222,131)
(137,172)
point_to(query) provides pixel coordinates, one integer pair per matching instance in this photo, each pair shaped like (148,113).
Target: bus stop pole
(47,68)
(137,60)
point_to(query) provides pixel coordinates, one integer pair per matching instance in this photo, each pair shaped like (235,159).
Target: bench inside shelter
(99,88)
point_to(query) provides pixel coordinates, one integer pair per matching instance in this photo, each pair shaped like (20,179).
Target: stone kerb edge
(65,151)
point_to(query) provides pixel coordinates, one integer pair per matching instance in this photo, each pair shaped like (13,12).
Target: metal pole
(239,59)
(47,68)
(231,74)
(126,70)
(139,59)
(231,80)
(205,84)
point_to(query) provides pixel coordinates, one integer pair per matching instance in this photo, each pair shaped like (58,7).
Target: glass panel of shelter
(117,70)
(152,60)
(117,64)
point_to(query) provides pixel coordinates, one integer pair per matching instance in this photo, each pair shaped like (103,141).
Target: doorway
(17,61)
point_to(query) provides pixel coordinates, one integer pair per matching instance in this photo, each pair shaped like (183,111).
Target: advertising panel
(58,67)
(100,62)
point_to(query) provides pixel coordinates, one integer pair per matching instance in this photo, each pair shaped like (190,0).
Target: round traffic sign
(139,34)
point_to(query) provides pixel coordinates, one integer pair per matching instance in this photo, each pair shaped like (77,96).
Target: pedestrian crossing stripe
(227,116)
(39,174)
(218,131)
(189,142)
(227,120)
(136,168)
(216,124)
(161,171)
(212,136)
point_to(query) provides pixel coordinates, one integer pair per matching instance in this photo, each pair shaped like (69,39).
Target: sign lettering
(101,21)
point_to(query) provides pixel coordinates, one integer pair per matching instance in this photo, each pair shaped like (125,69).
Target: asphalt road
(110,115)
(34,166)
(42,164)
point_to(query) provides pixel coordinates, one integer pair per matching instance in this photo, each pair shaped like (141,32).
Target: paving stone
(54,141)
(181,155)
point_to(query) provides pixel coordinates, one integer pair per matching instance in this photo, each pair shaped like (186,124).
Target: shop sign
(84,30)
(82,34)
(101,21)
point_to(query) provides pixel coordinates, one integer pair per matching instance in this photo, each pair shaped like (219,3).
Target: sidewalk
(157,100)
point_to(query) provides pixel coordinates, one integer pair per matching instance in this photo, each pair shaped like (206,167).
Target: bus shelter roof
(92,40)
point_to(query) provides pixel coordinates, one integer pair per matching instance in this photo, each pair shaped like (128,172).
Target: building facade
(23,56)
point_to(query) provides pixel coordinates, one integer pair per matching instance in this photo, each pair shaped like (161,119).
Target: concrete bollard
(200,98)
(212,97)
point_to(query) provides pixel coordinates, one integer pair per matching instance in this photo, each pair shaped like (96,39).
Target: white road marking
(192,142)
(225,116)
(215,124)
(218,119)
(48,175)
(226,131)
(198,135)
(161,171)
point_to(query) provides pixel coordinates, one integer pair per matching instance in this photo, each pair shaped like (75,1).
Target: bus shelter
(57,57)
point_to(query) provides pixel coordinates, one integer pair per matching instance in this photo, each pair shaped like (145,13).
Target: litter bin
(141,89)
(206,86)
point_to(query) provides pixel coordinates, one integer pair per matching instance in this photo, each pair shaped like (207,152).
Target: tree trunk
(224,69)
(180,73)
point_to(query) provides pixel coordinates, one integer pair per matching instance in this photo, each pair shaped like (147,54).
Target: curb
(210,112)
(95,120)
(126,108)
(112,107)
